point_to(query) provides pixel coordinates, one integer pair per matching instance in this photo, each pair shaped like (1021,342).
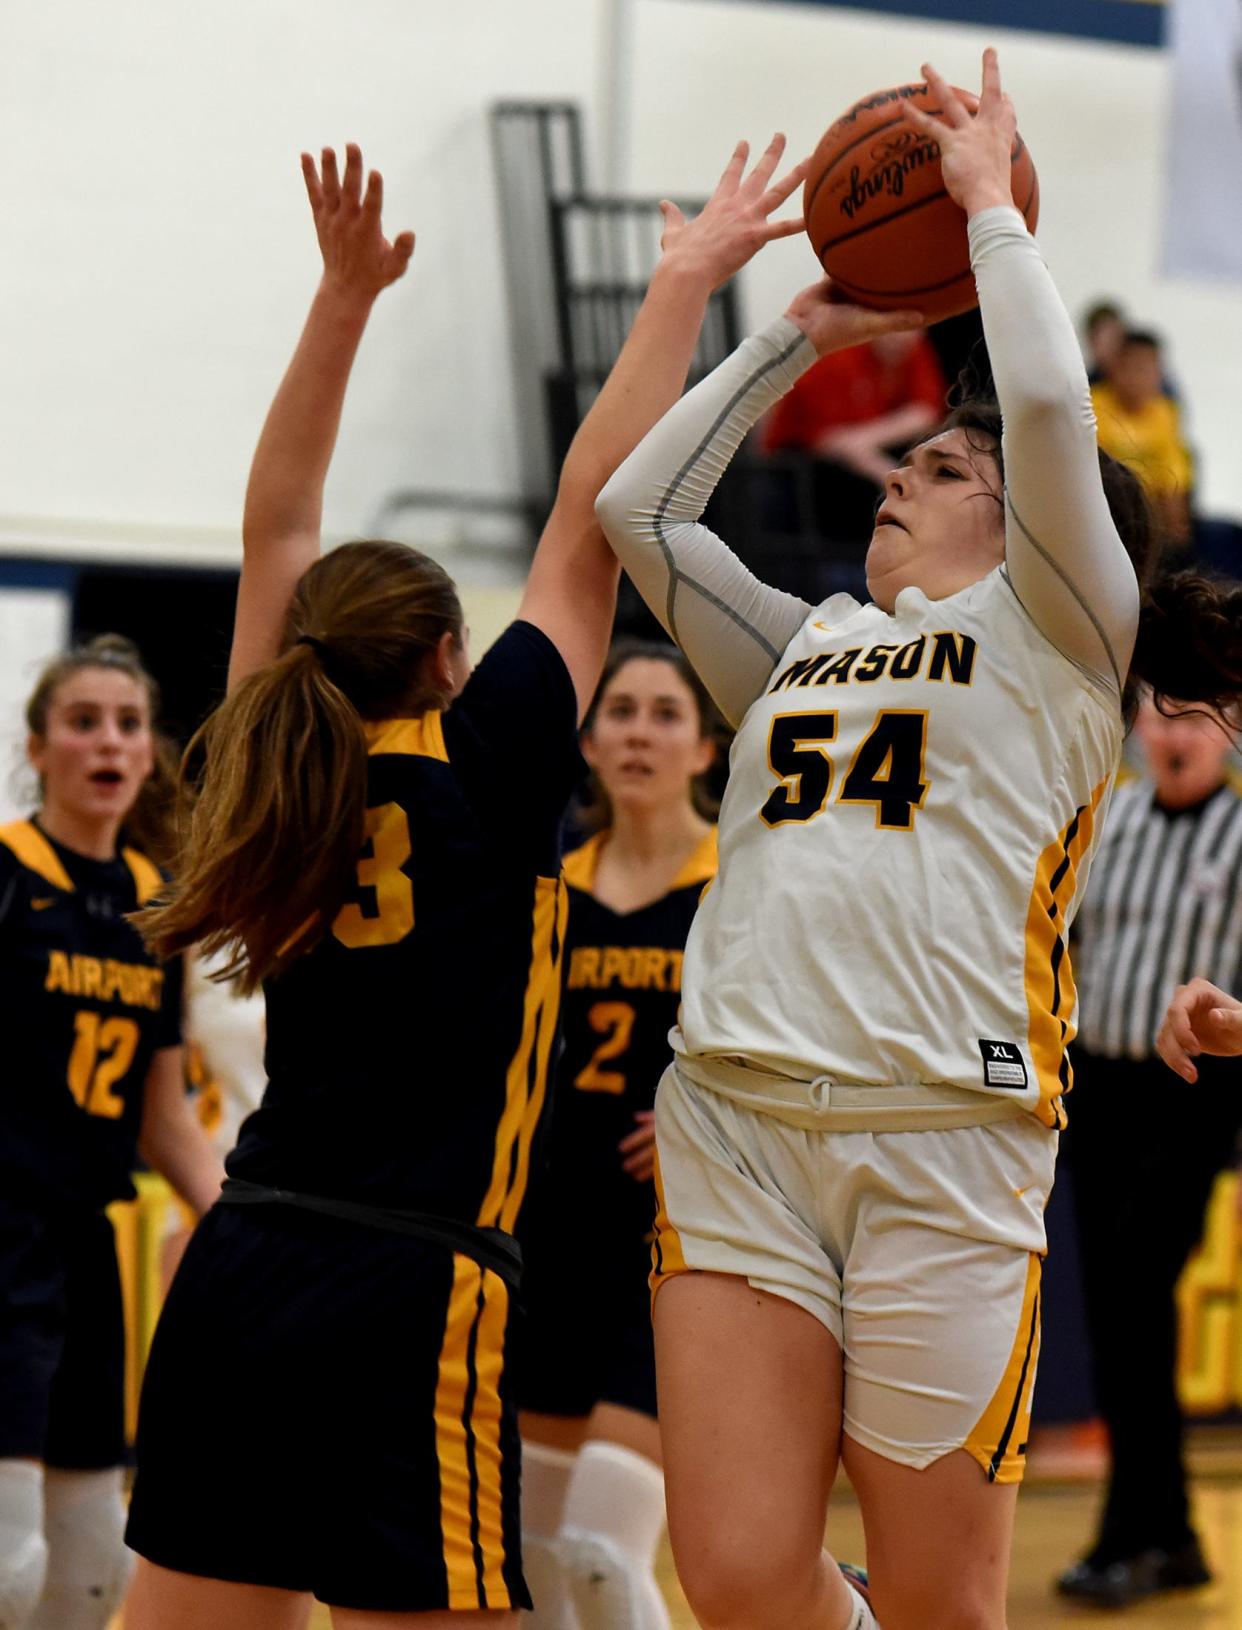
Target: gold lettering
(57,972)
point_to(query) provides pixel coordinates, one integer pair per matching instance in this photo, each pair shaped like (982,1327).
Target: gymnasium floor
(1054,1524)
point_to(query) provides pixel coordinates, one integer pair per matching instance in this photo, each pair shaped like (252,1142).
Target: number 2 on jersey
(886,770)
(615,1022)
(379,873)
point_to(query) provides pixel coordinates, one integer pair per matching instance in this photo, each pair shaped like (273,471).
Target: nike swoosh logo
(42,905)
(827,627)
(1018,1193)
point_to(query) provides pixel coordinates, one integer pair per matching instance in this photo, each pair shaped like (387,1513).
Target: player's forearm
(174,1145)
(284,496)
(1036,364)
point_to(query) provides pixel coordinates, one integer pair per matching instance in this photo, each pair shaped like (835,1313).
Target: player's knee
(912,1606)
(23,1548)
(88,1566)
(749,1587)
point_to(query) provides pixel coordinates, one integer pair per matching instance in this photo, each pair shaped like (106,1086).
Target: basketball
(878,216)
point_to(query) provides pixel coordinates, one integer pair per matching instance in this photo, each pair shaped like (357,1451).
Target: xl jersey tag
(1002,1065)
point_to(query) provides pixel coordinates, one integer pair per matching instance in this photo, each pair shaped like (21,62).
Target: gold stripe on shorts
(998,1440)
(468,1448)
(667,1256)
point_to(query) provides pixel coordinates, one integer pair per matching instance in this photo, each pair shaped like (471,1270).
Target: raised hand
(832,323)
(1201,1019)
(357,257)
(976,144)
(733,225)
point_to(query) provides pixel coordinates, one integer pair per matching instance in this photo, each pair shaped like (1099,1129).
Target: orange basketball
(879,218)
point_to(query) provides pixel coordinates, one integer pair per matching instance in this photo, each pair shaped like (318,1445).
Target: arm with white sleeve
(1063,555)
(731,626)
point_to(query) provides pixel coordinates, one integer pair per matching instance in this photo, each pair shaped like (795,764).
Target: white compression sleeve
(23,1549)
(546,1474)
(732,627)
(614,1517)
(88,1565)
(1064,558)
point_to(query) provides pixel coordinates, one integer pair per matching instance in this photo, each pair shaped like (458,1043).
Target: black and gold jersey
(407,1051)
(85,1006)
(620,993)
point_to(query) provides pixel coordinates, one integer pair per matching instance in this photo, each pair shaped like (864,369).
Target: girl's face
(941,526)
(646,740)
(98,747)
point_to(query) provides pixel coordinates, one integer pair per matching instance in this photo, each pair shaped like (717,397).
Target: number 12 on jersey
(886,769)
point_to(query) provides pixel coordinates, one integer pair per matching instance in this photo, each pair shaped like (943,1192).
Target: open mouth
(885,517)
(106,778)
(633,766)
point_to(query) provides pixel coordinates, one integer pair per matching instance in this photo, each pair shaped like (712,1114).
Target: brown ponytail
(1189,642)
(276,778)
(149,822)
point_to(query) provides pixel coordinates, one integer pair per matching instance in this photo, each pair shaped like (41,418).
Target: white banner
(1203,208)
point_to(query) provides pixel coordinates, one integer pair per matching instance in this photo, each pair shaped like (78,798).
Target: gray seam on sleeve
(1071,586)
(676,575)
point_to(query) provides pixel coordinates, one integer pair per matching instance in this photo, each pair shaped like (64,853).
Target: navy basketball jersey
(621,990)
(85,1006)
(407,1052)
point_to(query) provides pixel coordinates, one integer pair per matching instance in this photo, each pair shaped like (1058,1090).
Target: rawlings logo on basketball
(895,159)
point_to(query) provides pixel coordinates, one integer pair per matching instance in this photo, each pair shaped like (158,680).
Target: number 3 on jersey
(886,770)
(385,912)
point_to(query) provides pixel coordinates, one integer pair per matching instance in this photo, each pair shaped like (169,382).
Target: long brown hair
(276,778)
(148,823)
(1189,642)
(595,810)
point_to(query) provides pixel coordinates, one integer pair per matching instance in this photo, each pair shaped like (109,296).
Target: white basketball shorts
(919,1251)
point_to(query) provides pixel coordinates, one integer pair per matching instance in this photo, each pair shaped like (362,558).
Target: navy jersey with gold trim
(84,1007)
(620,992)
(407,1052)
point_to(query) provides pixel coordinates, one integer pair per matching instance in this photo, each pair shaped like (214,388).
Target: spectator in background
(851,413)
(1104,328)
(1140,424)
(1164,904)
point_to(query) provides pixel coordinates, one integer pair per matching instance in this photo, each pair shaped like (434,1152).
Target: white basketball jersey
(912,808)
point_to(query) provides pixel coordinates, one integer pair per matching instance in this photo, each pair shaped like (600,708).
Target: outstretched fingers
(992,92)
(373,199)
(310,175)
(351,189)
(788,184)
(731,175)
(953,111)
(329,178)
(763,172)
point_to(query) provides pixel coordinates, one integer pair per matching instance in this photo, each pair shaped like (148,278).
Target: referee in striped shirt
(1164,905)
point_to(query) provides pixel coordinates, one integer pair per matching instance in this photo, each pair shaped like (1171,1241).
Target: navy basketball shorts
(62,1340)
(326,1408)
(586,1336)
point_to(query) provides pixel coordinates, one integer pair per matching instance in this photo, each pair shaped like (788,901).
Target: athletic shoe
(858,1578)
(1129,1579)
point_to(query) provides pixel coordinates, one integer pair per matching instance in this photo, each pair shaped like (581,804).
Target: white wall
(156,255)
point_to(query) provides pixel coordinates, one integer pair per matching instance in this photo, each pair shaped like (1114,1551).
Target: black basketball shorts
(585,1337)
(62,1340)
(326,1409)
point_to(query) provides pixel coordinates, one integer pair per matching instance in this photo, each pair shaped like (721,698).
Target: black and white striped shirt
(1163,905)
